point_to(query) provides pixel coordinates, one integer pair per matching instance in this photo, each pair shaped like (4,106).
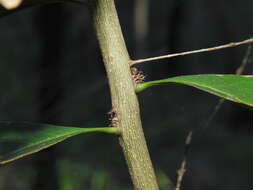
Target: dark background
(51,71)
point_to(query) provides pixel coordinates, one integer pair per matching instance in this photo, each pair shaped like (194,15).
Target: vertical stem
(124,100)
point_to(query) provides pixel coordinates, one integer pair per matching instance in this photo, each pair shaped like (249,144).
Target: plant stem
(124,100)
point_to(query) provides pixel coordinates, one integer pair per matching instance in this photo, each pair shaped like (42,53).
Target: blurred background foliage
(52,72)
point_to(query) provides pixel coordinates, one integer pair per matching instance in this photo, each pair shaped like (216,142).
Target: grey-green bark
(124,100)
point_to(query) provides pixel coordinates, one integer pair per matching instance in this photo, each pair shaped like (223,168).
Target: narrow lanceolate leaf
(236,88)
(21,139)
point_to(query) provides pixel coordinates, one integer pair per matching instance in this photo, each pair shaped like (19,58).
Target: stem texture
(124,100)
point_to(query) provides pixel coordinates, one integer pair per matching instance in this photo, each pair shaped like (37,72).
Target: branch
(246,60)
(229,45)
(182,169)
(124,100)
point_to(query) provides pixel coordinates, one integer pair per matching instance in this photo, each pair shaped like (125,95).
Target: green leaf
(21,139)
(236,88)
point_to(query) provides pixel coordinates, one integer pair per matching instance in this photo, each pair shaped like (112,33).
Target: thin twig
(246,60)
(180,173)
(229,45)
(182,169)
